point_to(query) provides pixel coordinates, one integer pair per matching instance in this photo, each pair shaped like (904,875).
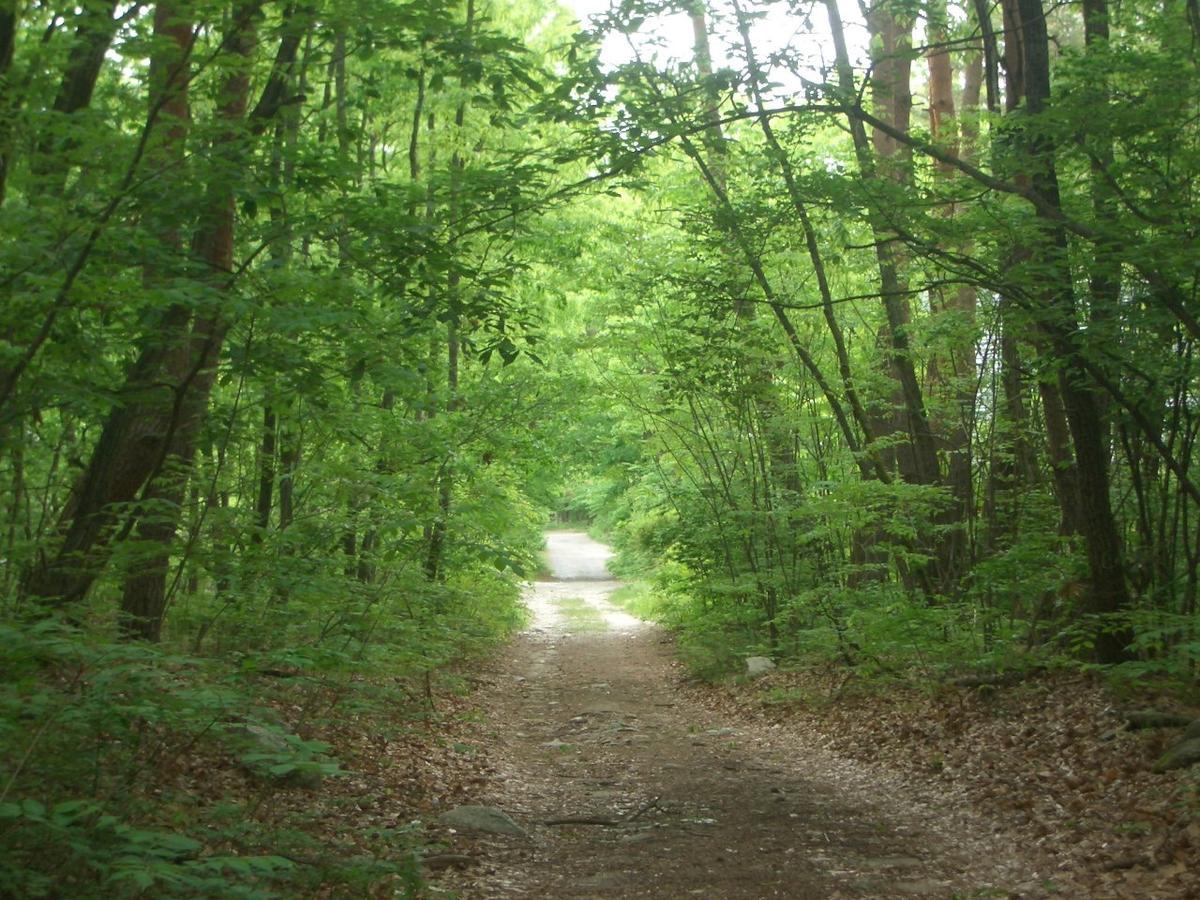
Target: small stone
(1153,718)
(1182,755)
(638,837)
(892,862)
(600,707)
(556,744)
(922,887)
(603,881)
(489,819)
(869,886)
(757,666)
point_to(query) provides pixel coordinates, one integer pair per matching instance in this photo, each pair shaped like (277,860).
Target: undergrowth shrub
(136,770)
(841,576)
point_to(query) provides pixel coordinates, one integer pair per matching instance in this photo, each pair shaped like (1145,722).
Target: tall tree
(1108,591)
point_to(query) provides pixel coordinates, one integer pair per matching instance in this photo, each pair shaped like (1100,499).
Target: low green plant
(638,599)
(89,727)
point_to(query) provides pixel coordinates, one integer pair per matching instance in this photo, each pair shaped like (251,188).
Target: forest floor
(670,788)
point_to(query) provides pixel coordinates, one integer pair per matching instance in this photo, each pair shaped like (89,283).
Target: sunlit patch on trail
(580,616)
(579,590)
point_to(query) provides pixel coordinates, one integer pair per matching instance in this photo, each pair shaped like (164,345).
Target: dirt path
(587,719)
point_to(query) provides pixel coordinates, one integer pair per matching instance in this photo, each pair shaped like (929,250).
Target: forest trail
(588,716)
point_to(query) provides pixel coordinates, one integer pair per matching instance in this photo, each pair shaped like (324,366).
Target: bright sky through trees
(669,37)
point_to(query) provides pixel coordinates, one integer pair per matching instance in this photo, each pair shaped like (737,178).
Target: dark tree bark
(94,33)
(958,355)
(148,442)
(1063,473)
(439,528)
(95,27)
(1104,278)
(266,472)
(890,159)
(289,462)
(894,102)
(1012,465)
(1108,591)
(144,595)
(8,106)
(133,440)
(144,590)
(1062,463)
(991,53)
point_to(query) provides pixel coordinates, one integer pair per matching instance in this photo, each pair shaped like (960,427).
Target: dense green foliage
(311,313)
(894,388)
(265,402)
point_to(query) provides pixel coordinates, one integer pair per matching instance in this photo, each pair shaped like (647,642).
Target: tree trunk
(439,528)
(1104,278)
(289,461)
(147,444)
(1062,464)
(893,100)
(958,302)
(8,103)
(891,93)
(1108,592)
(133,440)
(266,473)
(94,33)
(144,595)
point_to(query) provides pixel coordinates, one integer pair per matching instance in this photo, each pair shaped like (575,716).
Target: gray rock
(892,862)
(871,887)
(602,881)
(1182,755)
(1153,718)
(757,666)
(921,887)
(637,837)
(607,794)
(1192,732)
(600,707)
(482,818)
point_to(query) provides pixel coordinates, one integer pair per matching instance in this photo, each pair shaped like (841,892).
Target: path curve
(588,717)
